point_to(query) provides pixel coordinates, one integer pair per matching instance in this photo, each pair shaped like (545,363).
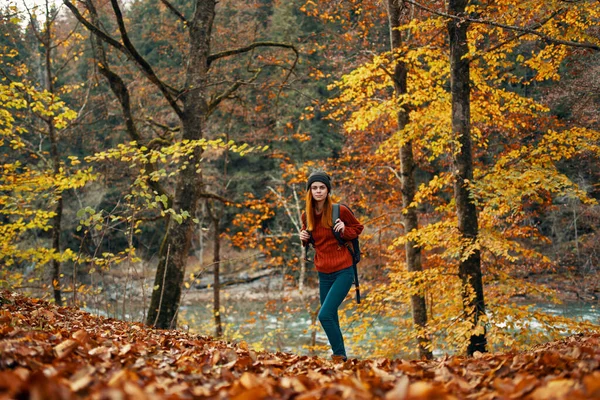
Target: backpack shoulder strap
(354,251)
(334,216)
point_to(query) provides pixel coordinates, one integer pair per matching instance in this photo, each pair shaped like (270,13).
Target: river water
(287,326)
(280,324)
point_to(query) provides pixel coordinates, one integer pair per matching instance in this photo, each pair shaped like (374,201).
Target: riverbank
(248,287)
(568,288)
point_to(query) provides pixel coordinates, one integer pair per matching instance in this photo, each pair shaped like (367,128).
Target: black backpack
(353,247)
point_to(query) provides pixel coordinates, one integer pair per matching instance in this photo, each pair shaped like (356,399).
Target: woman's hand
(304,235)
(339,226)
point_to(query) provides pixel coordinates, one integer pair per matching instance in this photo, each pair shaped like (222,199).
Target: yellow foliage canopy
(516,143)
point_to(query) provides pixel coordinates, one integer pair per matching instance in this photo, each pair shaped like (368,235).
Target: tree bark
(302,276)
(56,223)
(303,248)
(46,41)
(470,266)
(216,272)
(189,183)
(409,217)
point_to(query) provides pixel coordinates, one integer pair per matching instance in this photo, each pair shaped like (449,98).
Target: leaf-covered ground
(49,352)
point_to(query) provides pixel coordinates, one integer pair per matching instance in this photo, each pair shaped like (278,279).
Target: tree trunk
(170,272)
(409,217)
(303,248)
(216,275)
(313,335)
(58,210)
(56,225)
(469,267)
(302,277)
(176,243)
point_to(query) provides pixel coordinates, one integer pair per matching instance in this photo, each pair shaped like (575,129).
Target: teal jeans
(333,289)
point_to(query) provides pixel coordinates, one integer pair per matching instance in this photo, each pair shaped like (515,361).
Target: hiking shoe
(338,359)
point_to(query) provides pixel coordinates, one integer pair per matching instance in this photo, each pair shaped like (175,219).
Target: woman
(332,260)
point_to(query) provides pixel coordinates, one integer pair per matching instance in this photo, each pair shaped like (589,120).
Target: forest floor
(51,352)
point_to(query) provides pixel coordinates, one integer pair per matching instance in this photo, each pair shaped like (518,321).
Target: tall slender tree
(49,40)
(216,219)
(466,211)
(407,173)
(46,39)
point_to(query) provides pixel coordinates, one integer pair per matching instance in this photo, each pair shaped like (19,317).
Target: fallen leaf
(216,357)
(258,392)
(243,345)
(524,385)
(249,380)
(556,389)
(81,336)
(422,390)
(400,390)
(9,381)
(64,348)
(125,349)
(5,317)
(104,353)
(82,378)
(292,383)
(592,384)
(383,375)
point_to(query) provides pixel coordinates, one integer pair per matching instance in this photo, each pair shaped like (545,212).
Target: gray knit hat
(319,176)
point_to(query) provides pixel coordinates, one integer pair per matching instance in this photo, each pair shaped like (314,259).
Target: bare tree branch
(284,203)
(174,10)
(287,77)
(95,29)
(209,195)
(34,29)
(128,49)
(248,48)
(80,114)
(217,100)
(141,61)
(521,34)
(229,91)
(164,127)
(121,92)
(527,30)
(66,39)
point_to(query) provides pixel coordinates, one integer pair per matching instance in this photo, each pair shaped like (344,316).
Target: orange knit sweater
(329,255)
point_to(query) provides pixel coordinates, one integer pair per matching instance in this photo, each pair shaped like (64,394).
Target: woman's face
(318,191)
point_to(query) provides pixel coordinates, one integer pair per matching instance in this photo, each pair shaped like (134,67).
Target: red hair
(309,211)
